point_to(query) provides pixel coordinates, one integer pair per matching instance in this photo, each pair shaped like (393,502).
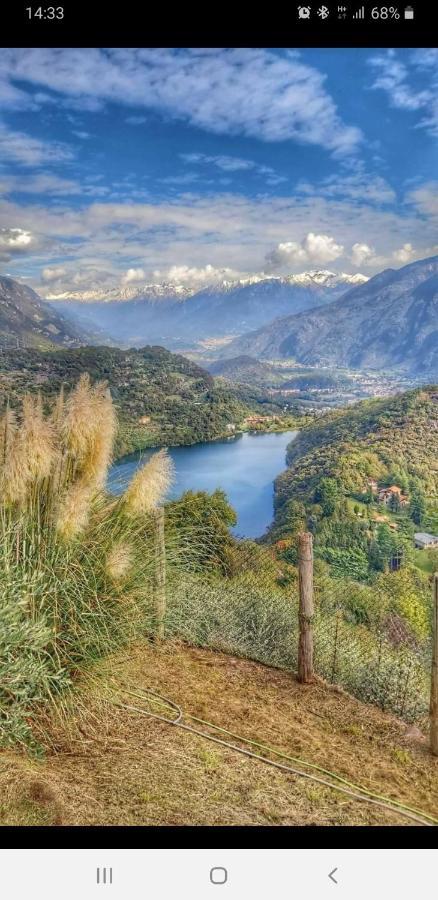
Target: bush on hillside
(76,566)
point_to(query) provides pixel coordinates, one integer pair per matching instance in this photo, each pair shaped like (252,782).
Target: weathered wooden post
(160,572)
(306,610)
(434,679)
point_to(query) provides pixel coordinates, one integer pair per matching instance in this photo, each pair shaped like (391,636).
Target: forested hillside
(338,469)
(161,398)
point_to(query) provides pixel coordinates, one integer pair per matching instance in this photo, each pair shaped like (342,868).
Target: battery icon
(409,12)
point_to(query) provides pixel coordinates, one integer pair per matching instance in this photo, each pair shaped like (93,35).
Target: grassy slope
(132,770)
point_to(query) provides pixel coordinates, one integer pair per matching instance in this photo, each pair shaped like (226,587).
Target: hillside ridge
(388,323)
(26,320)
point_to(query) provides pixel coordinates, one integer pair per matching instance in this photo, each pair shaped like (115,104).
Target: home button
(218,875)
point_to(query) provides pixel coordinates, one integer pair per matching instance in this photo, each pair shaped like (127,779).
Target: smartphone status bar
(75,24)
(356,13)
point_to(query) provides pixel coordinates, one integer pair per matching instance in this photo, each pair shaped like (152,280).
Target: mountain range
(389,322)
(178,317)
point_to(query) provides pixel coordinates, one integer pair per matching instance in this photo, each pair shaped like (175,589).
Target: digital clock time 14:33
(45,12)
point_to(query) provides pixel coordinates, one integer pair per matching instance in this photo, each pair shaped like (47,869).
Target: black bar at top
(139,24)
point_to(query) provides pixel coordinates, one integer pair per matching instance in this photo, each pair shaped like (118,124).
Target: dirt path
(119,767)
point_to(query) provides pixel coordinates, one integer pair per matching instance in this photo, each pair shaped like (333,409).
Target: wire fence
(367,664)
(246,616)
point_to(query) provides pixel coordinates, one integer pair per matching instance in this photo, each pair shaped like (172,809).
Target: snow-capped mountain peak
(325,278)
(126,292)
(170,290)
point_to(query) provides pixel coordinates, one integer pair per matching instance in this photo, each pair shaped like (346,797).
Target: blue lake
(244,467)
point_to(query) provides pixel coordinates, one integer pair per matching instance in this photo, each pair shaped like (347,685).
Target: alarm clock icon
(304,12)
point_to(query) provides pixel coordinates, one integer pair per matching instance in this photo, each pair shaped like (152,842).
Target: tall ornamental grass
(76,564)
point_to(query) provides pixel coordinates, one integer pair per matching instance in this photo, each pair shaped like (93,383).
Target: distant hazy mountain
(176,317)
(25,318)
(389,322)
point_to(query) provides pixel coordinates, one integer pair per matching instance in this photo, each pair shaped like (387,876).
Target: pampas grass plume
(74,511)
(37,439)
(119,561)
(149,485)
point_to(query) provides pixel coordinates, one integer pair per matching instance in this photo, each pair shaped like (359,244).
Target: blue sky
(119,167)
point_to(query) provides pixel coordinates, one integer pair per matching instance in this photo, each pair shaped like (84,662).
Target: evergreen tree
(327,494)
(417,506)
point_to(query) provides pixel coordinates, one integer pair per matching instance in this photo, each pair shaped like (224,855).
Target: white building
(424,540)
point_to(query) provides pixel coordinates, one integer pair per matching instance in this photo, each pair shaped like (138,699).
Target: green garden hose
(344,786)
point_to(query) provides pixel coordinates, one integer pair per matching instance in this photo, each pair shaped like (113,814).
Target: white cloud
(191,276)
(425,198)
(362,254)
(133,275)
(94,276)
(393,77)
(15,237)
(53,274)
(226,163)
(18,147)
(361,187)
(99,242)
(405,254)
(40,183)
(231,164)
(14,241)
(185,178)
(254,92)
(314,249)
(135,120)
(400,80)
(89,275)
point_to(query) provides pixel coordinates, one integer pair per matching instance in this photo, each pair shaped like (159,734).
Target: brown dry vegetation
(113,766)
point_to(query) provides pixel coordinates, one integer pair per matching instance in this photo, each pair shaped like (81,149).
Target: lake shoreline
(244,465)
(214,440)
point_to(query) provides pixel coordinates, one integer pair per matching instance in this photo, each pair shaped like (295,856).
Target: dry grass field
(113,766)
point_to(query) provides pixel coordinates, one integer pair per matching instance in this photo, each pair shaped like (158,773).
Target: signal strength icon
(360,14)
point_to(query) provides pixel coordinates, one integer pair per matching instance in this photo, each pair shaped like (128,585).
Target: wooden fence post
(305,572)
(160,572)
(434,679)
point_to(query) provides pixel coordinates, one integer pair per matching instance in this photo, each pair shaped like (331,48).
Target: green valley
(162,398)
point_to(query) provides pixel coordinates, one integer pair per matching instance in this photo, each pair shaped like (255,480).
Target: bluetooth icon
(323,12)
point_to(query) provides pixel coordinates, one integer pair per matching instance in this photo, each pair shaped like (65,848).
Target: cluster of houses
(387,495)
(252,421)
(394,494)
